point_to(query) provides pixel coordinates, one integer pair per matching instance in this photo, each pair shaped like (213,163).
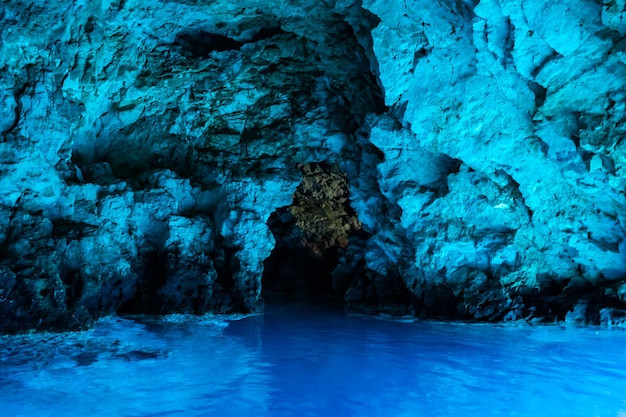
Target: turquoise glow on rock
(145,145)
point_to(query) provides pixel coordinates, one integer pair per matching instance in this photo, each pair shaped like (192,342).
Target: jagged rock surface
(145,145)
(509,166)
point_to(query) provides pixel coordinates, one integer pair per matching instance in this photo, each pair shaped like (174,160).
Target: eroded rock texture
(145,145)
(472,154)
(509,164)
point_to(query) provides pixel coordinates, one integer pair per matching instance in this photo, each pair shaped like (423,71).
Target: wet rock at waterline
(461,160)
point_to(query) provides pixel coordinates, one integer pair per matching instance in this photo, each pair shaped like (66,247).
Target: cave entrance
(311,236)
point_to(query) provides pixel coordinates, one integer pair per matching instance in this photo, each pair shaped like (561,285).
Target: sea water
(313,361)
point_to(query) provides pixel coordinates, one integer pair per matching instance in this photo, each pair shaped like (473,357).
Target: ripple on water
(312,361)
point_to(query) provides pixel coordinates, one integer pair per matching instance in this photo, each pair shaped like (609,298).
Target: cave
(348,151)
(318,208)
(310,235)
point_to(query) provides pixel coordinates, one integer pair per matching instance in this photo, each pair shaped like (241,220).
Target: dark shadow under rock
(311,234)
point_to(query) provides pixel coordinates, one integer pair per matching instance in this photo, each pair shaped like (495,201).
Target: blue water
(313,361)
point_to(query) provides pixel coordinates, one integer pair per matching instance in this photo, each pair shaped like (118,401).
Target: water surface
(313,361)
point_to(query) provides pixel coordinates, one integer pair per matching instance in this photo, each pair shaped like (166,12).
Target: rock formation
(456,159)
(509,164)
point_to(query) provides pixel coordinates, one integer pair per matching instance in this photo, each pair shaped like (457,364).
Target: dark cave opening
(311,234)
(151,280)
(295,270)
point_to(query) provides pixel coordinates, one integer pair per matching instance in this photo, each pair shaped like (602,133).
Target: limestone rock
(508,161)
(144,146)
(476,152)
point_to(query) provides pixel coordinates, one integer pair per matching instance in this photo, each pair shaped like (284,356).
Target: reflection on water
(313,361)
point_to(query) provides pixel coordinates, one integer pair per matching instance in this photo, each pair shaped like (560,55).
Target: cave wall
(145,145)
(528,100)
